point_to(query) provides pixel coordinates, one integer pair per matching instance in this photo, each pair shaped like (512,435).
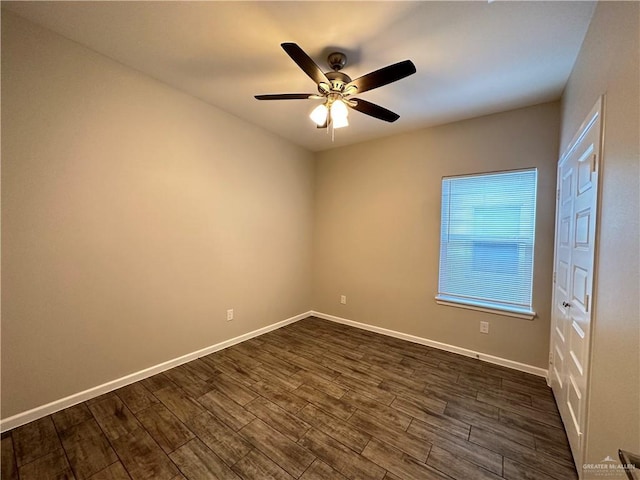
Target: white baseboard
(57,405)
(523,367)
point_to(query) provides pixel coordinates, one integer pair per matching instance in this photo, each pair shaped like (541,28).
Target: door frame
(597,110)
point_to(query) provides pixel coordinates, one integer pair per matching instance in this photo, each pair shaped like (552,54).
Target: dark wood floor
(313,400)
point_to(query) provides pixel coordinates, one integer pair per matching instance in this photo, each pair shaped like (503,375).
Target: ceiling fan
(336,88)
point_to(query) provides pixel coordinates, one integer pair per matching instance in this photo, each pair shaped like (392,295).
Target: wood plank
(202,369)
(143,458)
(499,394)
(157,382)
(446,391)
(290,456)
(423,364)
(319,382)
(516,471)
(473,419)
(522,386)
(405,441)
(544,403)
(241,374)
(255,466)
(393,417)
(456,467)
(405,384)
(341,458)
(372,391)
(164,427)
(53,465)
(71,416)
(334,427)
(349,368)
(230,412)
(232,389)
(552,466)
(35,440)
(557,448)
(463,449)
(197,462)
(225,442)
(338,408)
(136,397)
(278,418)
(87,449)
(399,463)
(114,417)
(321,471)
(479,381)
(270,374)
(313,367)
(472,407)
(289,401)
(8,465)
(540,430)
(415,408)
(188,380)
(238,355)
(114,471)
(275,364)
(179,403)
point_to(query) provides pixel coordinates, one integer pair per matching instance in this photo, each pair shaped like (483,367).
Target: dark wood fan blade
(305,62)
(284,96)
(384,76)
(375,111)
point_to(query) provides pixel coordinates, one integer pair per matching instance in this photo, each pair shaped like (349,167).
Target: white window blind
(486,240)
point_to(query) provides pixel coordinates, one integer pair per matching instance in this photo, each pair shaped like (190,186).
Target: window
(486,242)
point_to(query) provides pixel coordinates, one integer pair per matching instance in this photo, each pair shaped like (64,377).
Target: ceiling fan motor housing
(338,80)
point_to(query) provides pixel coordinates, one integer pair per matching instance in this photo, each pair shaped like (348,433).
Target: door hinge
(554,277)
(558,195)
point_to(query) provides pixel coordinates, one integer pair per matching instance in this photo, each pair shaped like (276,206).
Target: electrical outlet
(343,299)
(484,327)
(229,314)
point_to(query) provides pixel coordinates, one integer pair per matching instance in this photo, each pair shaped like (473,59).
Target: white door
(573,277)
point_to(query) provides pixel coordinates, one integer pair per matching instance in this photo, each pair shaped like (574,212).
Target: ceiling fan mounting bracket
(337,60)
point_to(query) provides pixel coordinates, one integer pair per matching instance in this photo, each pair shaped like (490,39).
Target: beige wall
(133,217)
(609,63)
(377,228)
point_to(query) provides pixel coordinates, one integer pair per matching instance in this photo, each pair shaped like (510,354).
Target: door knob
(566,305)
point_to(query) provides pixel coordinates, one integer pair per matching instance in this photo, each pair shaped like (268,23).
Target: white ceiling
(472,58)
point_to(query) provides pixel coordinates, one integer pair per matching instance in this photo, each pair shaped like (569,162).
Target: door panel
(573,278)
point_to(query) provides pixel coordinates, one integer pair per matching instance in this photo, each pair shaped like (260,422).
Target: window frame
(497,307)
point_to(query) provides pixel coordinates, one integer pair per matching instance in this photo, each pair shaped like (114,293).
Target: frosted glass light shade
(339,113)
(338,110)
(339,122)
(319,115)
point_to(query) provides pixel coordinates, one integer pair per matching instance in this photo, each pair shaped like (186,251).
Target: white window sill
(508,312)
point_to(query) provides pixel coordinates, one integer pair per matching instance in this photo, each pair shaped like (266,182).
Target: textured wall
(133,217)
(377,228)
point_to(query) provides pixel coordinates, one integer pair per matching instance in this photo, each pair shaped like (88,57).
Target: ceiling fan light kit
(335,88)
